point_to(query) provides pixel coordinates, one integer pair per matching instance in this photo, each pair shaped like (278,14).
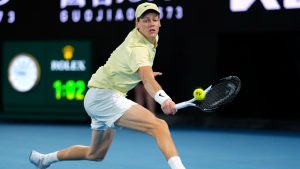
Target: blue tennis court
(199,148)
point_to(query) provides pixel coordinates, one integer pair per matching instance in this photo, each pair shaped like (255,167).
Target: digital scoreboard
(48,78)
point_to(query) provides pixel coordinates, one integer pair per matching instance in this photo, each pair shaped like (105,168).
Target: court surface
(199,148)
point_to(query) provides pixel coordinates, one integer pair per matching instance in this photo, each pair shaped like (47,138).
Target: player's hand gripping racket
(218,94)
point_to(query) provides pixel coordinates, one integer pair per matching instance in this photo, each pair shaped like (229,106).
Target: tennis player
(106,104)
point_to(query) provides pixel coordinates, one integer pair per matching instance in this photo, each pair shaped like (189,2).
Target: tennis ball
(199,94)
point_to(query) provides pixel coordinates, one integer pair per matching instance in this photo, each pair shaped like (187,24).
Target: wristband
(161,96)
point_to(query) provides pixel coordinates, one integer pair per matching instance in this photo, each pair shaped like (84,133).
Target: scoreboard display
(45,76)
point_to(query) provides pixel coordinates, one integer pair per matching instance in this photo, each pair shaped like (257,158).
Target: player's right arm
(154,89)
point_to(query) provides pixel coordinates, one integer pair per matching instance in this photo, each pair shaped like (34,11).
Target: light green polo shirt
(120,71)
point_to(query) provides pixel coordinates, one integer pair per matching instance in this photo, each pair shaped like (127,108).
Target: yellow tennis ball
(199,94)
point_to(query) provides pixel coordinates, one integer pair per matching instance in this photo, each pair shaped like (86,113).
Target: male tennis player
(106,104)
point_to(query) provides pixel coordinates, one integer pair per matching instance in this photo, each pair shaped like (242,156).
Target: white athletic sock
(51,158)
(175,163)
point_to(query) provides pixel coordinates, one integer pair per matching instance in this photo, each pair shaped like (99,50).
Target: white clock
(23,72)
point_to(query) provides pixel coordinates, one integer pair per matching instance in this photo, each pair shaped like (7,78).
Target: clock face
(23,72)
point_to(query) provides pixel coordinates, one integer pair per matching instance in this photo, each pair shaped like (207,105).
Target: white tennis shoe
(37,159)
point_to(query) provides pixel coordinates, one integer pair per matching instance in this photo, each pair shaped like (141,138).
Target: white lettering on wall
(291,4)
(9,15)
(102,2)
(3,2)
(65,3)
(66,65)
(244,5)
(103,11)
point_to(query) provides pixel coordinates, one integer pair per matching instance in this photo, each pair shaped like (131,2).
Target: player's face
(149,26)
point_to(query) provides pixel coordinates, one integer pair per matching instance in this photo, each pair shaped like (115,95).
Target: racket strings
(220,94)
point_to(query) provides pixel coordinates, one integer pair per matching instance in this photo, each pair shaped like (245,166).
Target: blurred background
(50,49)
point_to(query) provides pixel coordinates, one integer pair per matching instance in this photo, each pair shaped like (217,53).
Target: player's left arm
(155,90)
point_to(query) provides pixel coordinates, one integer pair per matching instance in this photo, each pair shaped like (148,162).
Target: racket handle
(181,105)
(185,104)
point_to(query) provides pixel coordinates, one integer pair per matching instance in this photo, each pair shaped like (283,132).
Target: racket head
(220,93)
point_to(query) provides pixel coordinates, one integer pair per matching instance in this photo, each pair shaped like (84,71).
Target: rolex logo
(68,64)
(68,52)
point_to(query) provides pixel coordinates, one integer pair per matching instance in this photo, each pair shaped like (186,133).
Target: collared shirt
(120,71)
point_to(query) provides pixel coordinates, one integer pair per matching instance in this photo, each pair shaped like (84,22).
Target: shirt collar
(146,40)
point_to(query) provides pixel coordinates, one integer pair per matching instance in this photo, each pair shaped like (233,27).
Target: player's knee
(98,159)
(95,157)
(159,126)
(163,125)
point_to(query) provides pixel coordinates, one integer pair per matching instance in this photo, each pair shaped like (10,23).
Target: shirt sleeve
(139,57)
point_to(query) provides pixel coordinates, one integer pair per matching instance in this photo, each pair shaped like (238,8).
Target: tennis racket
(218,94)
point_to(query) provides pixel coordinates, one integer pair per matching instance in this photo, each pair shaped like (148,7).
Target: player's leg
(101,141)
(141,119)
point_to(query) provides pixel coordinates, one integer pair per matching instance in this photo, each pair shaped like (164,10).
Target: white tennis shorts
(105,107)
